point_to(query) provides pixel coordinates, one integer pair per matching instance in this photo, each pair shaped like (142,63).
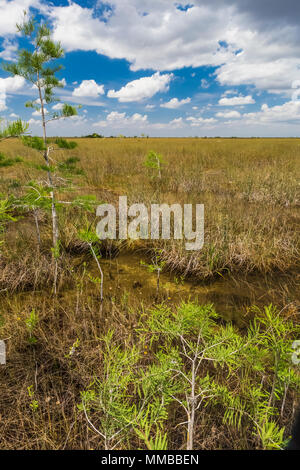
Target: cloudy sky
(166,68)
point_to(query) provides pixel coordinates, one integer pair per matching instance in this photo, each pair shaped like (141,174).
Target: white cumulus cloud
(9,50)
(58,106)
(229,115)
(249,43)
(236,101)
(156,36)
(7,86)
(287,112)
(117,120)
(38,112)
(88,88)
(200,121)
(175,103)
(3,106)
(143,88)
(177,123)
(11,84)
(12,13)
(204,83)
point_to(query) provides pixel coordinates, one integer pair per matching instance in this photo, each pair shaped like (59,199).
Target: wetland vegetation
(141,344)
(206,348)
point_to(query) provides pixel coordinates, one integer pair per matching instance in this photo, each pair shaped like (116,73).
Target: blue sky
(166,68)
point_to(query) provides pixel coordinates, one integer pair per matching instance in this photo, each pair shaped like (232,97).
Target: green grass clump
(65,144)
(5,161)
(69,166)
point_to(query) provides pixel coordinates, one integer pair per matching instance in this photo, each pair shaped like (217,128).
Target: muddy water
(125,277)
(127,280)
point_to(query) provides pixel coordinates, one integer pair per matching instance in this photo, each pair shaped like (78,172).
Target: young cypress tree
(12,129)
(35,64)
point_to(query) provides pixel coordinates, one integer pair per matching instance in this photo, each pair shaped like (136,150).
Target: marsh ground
(250,257)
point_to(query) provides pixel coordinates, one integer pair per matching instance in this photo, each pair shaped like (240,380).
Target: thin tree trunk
(271,399)
(38,235)
(55,232)
(191,420)
(286,387)
(55,275)
(100,270)
(159,170)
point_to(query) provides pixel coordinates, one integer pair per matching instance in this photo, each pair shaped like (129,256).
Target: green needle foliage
(6,208)
(154,161)
(37,64)
(91,238)
(34,404)
(31,324)
(193,363)
(13,129)
(112,396)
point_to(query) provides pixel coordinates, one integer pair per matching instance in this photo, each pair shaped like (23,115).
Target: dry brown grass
(57,379)
(250,191)
(249,188)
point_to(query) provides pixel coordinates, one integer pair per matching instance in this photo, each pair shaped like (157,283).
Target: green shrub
(64,144)
(69,166)
(194,363)
(33,142)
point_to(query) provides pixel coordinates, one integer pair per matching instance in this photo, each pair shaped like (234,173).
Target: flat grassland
(250,190)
